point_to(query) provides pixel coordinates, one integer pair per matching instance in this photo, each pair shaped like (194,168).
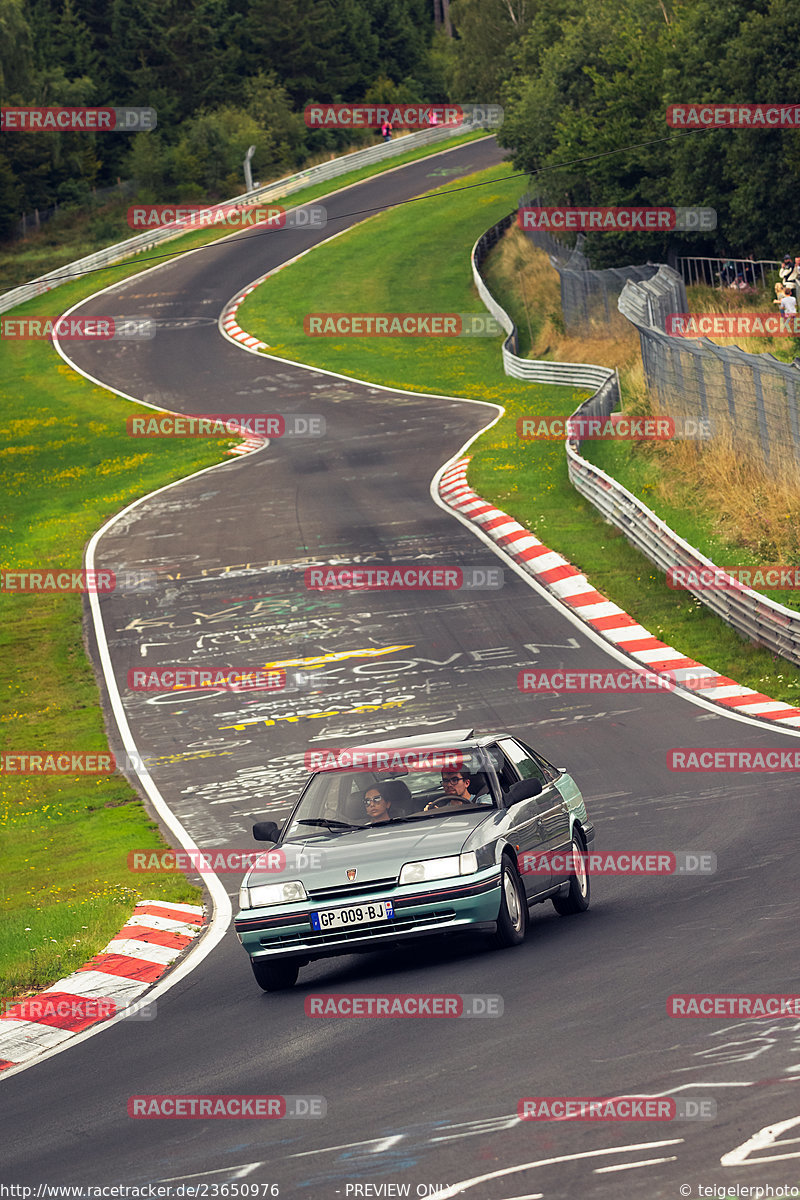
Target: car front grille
(357,932)
(348,890)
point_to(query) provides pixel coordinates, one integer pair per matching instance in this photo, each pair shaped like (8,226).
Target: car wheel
(275,976)
(512,921)
(577,898)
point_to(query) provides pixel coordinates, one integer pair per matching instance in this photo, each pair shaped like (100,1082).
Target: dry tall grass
(749,504)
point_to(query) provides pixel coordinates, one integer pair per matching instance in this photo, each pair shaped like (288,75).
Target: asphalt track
(423,1103)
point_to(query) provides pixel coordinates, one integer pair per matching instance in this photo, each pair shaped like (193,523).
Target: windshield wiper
(327,824)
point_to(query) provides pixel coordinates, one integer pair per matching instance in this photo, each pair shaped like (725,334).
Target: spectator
(727,276)
(793,277)
(789,312)
(386,131)
(787,269)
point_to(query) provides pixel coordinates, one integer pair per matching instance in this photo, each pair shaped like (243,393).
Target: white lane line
(527,1196)
(768,1136)
(643,1162)
(463,1184)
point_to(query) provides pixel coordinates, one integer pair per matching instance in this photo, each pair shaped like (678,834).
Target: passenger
(377,805)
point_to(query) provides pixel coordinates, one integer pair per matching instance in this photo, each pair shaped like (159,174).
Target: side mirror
(266,831)
(523,790)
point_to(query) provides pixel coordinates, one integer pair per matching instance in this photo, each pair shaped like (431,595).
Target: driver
(456,784)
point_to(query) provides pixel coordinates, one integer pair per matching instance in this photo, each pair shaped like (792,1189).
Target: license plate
(354,914)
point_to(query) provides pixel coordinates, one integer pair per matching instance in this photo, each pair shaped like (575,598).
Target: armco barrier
(756,617)
(535,371)
(271,191)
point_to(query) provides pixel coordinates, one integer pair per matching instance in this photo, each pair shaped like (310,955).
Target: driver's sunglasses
(373,800)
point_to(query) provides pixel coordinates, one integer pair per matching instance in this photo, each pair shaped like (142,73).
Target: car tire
(275,976)
(577,898)
(512,920)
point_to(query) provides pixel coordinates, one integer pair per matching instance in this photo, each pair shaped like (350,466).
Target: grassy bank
(67,465)
(417,260)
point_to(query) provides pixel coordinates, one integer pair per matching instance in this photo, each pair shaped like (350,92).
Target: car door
(526,831)
(556,818)
(550,809)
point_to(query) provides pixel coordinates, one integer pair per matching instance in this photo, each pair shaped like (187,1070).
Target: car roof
(445,739)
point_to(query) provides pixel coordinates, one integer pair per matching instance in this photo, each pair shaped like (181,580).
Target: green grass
(67,465)
(418,260)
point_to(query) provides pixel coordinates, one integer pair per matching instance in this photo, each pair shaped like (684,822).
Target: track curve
(420,1102)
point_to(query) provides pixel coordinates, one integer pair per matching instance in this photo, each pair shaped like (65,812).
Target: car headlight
(271,893)
(439,868)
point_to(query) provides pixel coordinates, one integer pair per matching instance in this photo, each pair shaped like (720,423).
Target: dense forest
(584,87)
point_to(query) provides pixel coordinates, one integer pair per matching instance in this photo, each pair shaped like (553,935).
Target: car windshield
(339,800)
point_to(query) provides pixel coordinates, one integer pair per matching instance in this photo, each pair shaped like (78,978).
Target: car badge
(351,874)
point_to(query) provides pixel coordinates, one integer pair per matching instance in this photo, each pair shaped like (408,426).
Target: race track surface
(423,1103)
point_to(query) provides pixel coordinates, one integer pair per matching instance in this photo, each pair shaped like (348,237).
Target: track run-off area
(424,1105)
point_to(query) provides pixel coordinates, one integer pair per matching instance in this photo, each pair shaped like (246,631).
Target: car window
(333,801)
(548,770)
(523,760)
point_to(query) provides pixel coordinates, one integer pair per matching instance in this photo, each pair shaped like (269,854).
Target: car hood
(374,853)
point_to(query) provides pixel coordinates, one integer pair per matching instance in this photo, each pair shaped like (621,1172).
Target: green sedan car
(414,838)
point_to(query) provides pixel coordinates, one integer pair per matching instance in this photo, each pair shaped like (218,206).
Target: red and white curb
(613,623)
(234,330)
(232,326)
(155,935)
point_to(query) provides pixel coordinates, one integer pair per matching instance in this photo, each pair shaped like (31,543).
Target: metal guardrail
(727,272)
(756,617)
(531,369)
(271,191)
